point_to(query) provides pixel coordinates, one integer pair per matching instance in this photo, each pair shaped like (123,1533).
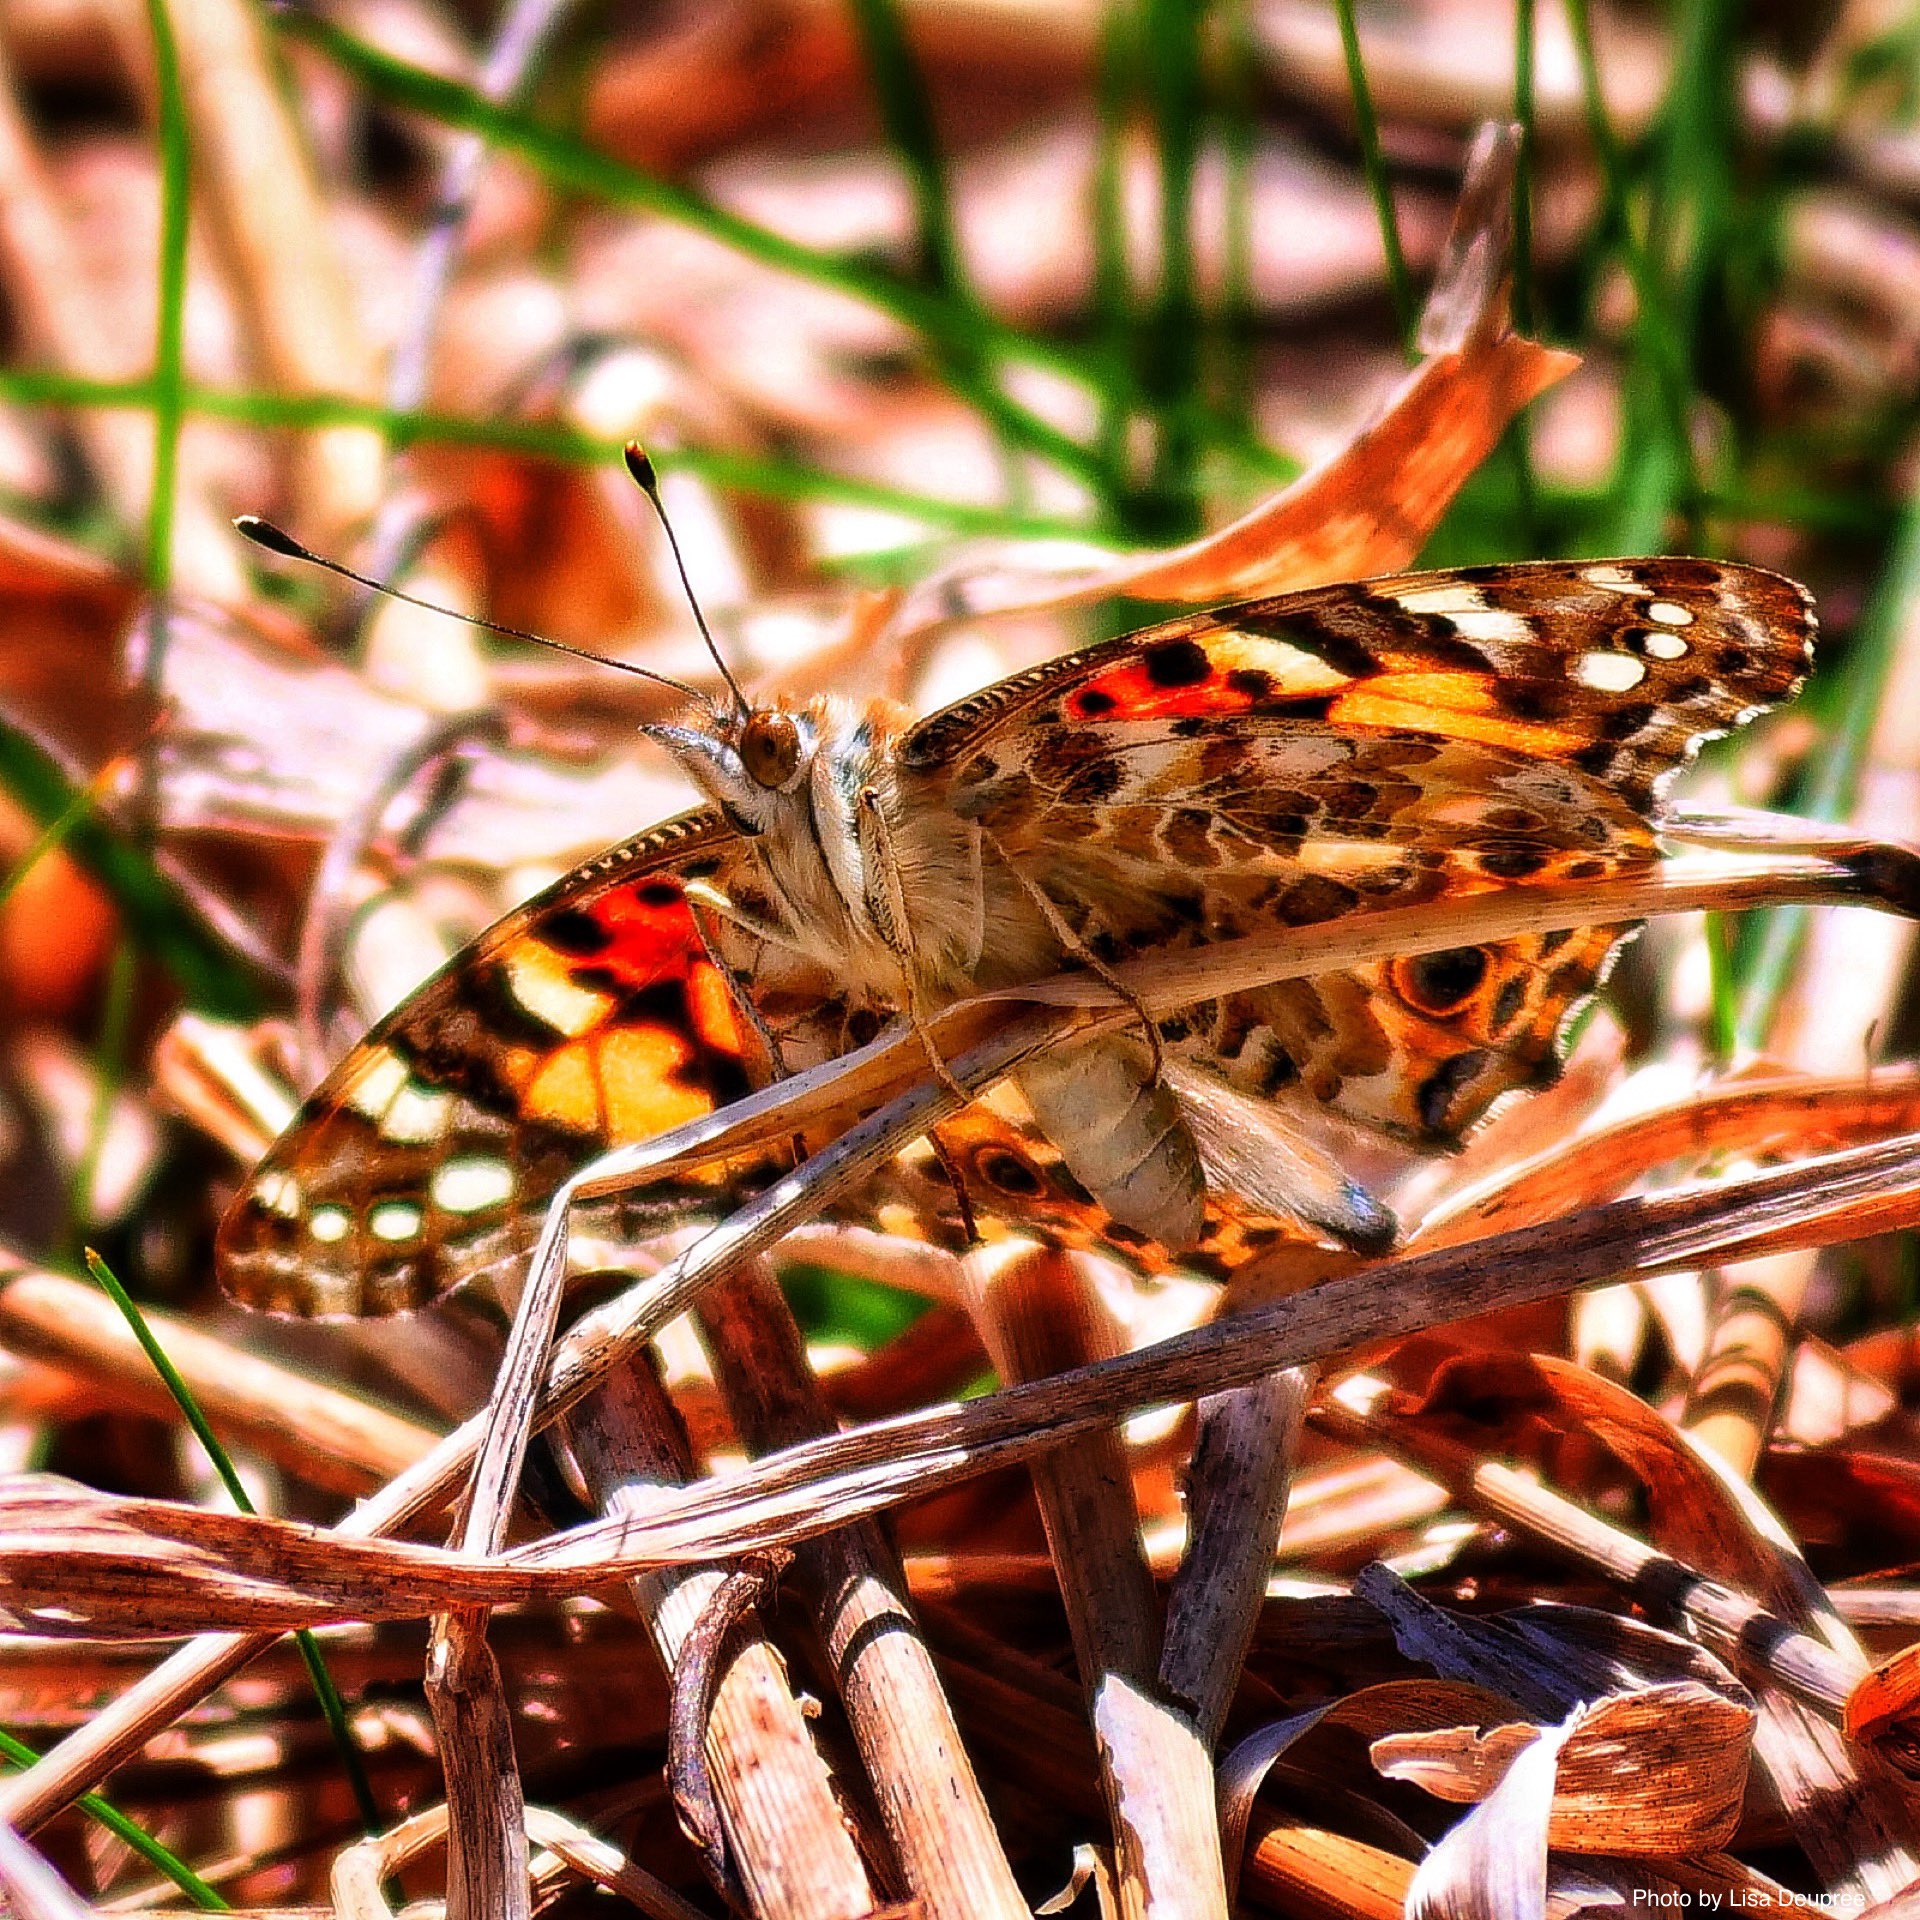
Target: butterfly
(1422,737)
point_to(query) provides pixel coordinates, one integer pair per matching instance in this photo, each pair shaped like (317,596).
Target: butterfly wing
(593,1015)
(1421,736)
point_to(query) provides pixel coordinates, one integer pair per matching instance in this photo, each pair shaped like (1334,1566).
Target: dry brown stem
(929,1796)
(786,1840)
(1039,1315)
(1237,1488)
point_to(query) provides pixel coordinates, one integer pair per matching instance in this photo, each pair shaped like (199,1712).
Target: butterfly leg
(1072,943)
(887,908)
(700,894)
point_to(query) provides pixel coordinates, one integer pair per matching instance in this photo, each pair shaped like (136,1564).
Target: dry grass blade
(928,1793)
(1236,1493)
(1435,430)
(820,1484)
(781,1837)
(1039,1316)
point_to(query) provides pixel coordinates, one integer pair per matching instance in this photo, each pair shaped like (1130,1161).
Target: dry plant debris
(855,1520)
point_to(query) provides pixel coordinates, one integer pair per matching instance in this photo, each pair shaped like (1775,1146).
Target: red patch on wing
(1215,674)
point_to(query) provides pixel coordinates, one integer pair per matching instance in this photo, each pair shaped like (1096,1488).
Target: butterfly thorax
(901,901)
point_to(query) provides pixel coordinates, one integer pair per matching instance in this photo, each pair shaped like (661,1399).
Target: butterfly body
(1276,764)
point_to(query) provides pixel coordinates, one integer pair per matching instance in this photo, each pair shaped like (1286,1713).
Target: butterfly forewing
(592,1015)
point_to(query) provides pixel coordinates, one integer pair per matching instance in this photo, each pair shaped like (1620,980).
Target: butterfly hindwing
(1422,736)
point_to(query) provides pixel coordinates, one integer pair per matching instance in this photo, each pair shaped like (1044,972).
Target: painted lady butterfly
(1278,763)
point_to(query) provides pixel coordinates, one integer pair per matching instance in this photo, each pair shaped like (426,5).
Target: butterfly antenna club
(276,540)
(646,476)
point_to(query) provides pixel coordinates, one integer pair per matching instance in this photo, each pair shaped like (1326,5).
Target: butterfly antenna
(271,539)
(646,477)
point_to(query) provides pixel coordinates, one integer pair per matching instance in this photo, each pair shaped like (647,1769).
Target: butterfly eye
(770,749)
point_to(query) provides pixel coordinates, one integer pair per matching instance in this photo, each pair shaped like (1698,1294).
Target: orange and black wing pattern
(1423,736)
(592,1016)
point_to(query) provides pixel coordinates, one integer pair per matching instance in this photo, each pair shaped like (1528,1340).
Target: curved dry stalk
(1039,1315)
(1236,1491)
(929,1796)
(786,1844)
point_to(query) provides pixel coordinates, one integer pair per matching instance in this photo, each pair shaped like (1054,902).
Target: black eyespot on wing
(576,933)
(1007,1173)
(1516,862)
(1093,702)
(1177,663)
(659,893)
(1441,982)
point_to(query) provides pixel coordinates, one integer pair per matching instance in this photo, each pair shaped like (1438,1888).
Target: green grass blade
(170,332)
(1239,122)
(1774,940)
(1170,345)
(1606,143)
(906,117)
(1655,337)
(1115,91)
(1693,195)
(49,841)
(1523,112)
(1373,162)
(1518,436)
(964,328)
(331,1704)
(110,1066)
(136,1837)
(960,331)
(546,440)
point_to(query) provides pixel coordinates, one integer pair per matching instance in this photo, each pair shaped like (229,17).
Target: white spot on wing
(330,1224)
(372,1091)
(1455,597)
(1614,579)
(394,1220)
(1609,672)
(416,1115)
(1663,646)
(1669,614)
(472,1184)
(1493,623)
(279,1193)
(549,995)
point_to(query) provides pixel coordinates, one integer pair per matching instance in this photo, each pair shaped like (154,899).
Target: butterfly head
(751,764)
